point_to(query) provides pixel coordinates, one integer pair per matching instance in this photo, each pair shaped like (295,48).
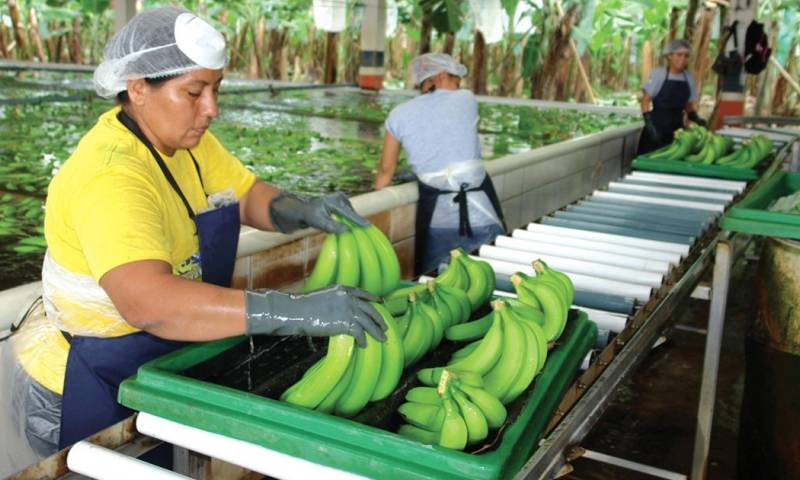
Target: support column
(732,98)
(373,39)
(124,10)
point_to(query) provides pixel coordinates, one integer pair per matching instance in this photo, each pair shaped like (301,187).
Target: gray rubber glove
(693,116)
(289,212)
(650,127)
(322,313)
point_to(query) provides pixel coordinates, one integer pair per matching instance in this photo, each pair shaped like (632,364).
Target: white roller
(673,191)
(678,248)
(605,258)
(682,186)
(582,282)
(249,455)
(94,461)
(566,265)
(710,207)
(688,180)
(598,246)
(605,320)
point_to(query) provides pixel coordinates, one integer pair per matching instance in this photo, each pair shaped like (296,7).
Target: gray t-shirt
(439,132)
(659,76)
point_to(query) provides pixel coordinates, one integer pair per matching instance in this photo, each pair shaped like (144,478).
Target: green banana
(464,351)
(348,272)
(567,287)
(450,305)
(454,430)
(324,272)
(427,395)
(460,298)
(730,158)
(329,403)
(524,312)
(524,295)
(438,304)
(390,265)
(312,390)
(422,415)
(479,289)
(366,369)
(403,322)
(370,267)
(501,377)
(492,408)
(477,427)
(419,334)
(555,315)
(392,361)
(418,434)
(541,339)
(483,358)
(470,330)
(437,324)
(528,367)
(454,276)
(397,300)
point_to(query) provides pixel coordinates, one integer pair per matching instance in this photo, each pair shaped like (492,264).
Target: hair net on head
(430,64)
(158,43)
(676,45)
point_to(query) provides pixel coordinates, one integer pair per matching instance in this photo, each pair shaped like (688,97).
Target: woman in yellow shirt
(142,224)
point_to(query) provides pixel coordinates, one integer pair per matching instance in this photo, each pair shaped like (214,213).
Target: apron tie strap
(464,227)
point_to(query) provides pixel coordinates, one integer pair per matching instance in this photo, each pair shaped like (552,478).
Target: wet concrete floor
(652,418)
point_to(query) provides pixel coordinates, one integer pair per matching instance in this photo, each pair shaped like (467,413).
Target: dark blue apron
(667,115)
(96,366)
(426,204)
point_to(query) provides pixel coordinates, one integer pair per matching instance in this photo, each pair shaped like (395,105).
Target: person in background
(671,90)
(438,129)
(142,225)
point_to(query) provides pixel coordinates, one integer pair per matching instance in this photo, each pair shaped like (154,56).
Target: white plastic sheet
(488,15)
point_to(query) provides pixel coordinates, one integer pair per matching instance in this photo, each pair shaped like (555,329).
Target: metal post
(124,10)
(708,387)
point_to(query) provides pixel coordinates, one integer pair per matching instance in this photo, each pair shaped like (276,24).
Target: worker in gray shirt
(457,204)
(672,91)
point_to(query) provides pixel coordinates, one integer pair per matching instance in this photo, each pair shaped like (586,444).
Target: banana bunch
(550,291)
(429,314)
(456,413)
(508,356)
(348,377)
(360,257)
(475,277)
(714,147)
(687,142)
(749,155)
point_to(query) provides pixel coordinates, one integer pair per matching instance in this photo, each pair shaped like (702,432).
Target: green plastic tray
(645,163)
(164,388)
(752,214)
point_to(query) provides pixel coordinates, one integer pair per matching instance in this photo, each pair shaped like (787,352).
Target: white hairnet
(158,43)
(430,64)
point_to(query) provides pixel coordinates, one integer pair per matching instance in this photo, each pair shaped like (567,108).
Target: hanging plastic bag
(488,15)
(329,15)
(391,17)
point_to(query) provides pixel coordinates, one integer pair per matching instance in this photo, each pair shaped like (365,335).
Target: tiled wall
(527,192)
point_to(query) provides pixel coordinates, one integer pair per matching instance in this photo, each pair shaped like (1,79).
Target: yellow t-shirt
(110,204)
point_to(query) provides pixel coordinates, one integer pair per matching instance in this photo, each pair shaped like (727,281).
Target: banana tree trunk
(75,54)
(691,13)
(622,83)
(647,62)
(782,86)
(257,52)
(558,54)
(2,40)
(19,37)
(425,34)
(702,38)
(331,57)
(34,34)
(479,64)
(449,43)
(674,14)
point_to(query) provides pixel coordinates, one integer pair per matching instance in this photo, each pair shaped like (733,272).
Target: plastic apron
(667,115)
(96,366)
(446,184)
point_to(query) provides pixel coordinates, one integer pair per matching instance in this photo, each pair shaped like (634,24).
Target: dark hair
(122,97)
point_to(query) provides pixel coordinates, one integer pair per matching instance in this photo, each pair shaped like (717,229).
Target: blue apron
(96,366)
(667,115)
